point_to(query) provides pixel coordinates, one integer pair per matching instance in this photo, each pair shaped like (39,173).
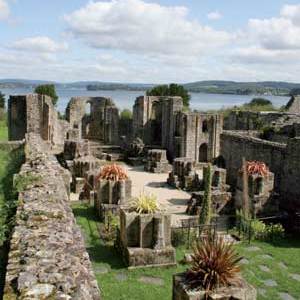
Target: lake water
(125,99)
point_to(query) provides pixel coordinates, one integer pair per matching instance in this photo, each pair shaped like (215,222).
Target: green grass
(10,163)
(3,131)
(287,251)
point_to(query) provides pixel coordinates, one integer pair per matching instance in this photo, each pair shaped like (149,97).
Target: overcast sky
(150,41)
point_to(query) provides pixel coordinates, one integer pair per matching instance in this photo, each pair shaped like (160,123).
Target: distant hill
(210,86)
(242,88)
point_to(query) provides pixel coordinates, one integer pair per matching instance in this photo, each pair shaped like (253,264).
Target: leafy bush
(257,229)
(48,90)
(214,264)
(144,204)
(171,90)
(126,114)
(112,172)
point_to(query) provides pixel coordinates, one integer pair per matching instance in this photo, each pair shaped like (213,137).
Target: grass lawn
(9,164)
(118,283)
(3,131)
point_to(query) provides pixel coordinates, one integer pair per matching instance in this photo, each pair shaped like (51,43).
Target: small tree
(2,101)
(126,114)
(205,214)
(171,90)
(48,90)
(245,204)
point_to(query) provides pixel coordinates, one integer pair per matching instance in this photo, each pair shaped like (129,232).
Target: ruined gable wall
(47,258)
(290,187)
(170,108)
(35,113)
(236,145)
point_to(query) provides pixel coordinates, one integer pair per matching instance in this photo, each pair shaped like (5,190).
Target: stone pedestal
(157,162)
(180,292)
(145,240)
(184,175)
(111,195)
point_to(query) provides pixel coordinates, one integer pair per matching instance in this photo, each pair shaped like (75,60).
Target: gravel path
(172,200)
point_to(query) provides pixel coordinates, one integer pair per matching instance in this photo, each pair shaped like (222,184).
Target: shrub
(214,264)
(112,172)
(144,204)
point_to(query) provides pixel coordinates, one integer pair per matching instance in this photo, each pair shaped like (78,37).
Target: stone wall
(235,146)
(47,258)
(95,118)
(250,120)
(35,114)
(290,187)
(153,119)
(197,135)
(160,121)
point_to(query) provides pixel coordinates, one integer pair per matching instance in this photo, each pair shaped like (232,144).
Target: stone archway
(203,153)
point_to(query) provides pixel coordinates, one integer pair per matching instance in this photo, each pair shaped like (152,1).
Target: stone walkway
(269,283)
(171,200)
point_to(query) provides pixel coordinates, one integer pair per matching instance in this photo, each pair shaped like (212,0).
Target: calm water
(125,99)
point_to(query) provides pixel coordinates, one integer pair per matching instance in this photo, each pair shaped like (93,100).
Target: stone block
(242,292)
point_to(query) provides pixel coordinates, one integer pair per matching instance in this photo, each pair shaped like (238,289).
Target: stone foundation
(157,162)
(184,175)
(47,258)
(145,240)
(243,292)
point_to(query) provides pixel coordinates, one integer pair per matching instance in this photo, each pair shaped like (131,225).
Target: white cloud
(4,10)
(214,15)
(135,26)
(40,44)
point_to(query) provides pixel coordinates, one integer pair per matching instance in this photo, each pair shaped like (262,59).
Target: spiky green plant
(214,264)
(144,204)
(205,214)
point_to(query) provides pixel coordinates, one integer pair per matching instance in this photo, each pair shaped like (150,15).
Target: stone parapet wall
(47,258)
(235,146)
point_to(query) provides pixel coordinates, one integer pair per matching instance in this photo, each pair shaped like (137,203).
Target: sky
(150,41)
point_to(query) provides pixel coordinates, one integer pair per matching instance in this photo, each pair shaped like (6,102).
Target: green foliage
(144,204)
(24,181)
(257,229)
(267,132)
(259,101)
(103,254)
(205,214)
(110,227)
(266,232)
(214,264)
(48,90)
(126,114)
(3,130)
(171,90)
(10,163)
(258,104)
(2,100)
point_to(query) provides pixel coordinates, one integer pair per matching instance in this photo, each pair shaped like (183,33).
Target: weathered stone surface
(151,280)
(35,113)
(101,123)
(242,292)
(47,258)
(145,239)
(157,162)
(264,268)
(270,283)
(286,296)
(295,276)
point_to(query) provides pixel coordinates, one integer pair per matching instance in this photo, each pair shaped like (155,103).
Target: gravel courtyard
(172,200)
